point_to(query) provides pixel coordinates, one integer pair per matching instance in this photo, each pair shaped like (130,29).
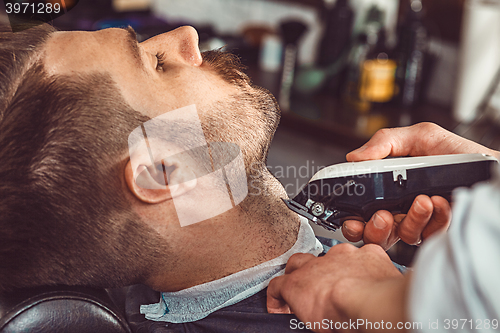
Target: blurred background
(340,69)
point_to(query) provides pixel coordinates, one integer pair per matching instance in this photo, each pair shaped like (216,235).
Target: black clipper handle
(330,201)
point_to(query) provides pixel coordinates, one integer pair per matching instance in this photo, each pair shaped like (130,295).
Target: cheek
(176,88)
(200,87)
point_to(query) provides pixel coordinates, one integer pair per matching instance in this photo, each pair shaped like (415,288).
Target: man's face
(168,72)
(230,110)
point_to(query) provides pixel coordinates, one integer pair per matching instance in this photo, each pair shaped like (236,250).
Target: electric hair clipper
(357,190)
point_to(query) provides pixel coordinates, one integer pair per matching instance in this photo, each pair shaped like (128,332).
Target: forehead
(80,51)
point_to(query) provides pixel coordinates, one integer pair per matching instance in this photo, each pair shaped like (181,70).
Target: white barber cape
(197,302)
(456,280)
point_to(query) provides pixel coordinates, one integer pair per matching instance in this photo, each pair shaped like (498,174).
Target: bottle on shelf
(336,38)
(411,50)
(371,83)
(377,84)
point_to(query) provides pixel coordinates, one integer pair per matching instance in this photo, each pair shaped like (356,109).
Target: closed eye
(160,57)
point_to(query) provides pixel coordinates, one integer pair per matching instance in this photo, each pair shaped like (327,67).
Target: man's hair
(64,217)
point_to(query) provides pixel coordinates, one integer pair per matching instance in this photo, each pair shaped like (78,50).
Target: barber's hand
(427,215)
(336,286)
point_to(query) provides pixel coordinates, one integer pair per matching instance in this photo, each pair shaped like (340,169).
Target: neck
(261,228)
(268,228)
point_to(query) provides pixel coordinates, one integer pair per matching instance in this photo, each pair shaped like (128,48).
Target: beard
(248,119)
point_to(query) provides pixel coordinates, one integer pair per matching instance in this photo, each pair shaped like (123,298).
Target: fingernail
(349,231)
(360,149)
(419,208)
(379,222)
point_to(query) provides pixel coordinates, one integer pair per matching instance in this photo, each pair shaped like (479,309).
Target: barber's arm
(350,285)
(427,215)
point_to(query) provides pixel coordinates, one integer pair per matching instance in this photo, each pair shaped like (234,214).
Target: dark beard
(248,119)
(244,122)
(227,65)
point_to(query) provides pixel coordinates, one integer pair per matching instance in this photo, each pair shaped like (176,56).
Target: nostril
(180,44)
(191,54)
(189,45)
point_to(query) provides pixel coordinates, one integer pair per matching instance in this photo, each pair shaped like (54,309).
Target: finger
(421,139)
(379,228)
(376,252)
(375,249)
(298,260)
(275,301)
(385,142)
(417,140)
(353,230)
(419,215)
(341,249)
(441,217)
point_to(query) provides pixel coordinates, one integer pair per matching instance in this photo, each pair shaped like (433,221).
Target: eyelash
(160,57)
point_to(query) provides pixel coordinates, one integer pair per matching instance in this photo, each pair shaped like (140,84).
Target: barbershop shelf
(311,3)
(324,131)
(335,124)
(326,118)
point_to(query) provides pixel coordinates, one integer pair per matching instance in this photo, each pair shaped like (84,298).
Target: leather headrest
(60,309)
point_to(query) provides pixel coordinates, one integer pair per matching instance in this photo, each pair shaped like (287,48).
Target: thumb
(393,142)
(275,301)
(390,142)
(382,144)
(369,151)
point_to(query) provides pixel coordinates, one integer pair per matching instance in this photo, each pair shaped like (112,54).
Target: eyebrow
(133,45)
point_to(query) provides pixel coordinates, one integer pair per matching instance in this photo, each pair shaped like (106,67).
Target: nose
(180,44)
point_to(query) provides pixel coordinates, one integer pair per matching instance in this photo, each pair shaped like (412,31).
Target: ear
(157,183)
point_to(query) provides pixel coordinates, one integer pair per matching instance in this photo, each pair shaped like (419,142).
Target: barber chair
(61,309)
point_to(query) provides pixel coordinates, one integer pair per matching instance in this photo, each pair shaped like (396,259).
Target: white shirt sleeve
(457,274)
